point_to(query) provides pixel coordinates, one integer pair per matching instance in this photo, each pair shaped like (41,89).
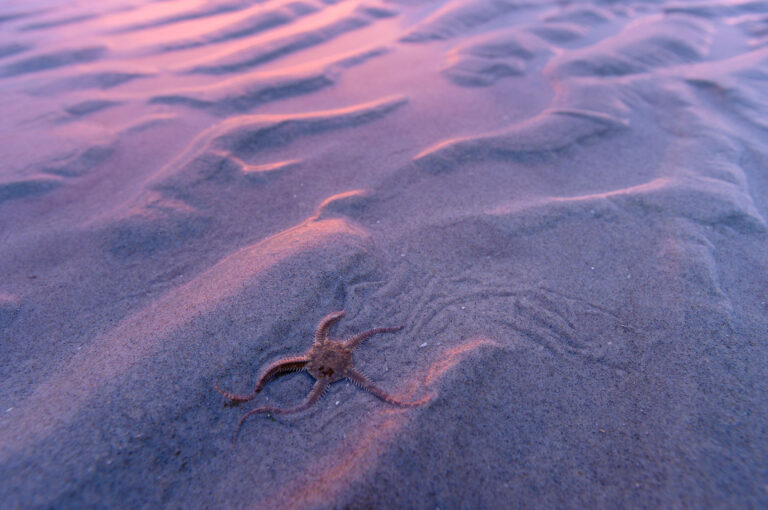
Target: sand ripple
(563,203)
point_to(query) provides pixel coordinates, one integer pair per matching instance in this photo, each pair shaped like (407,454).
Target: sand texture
(563,203)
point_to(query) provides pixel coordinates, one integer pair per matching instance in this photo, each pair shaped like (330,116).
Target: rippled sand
(564,203)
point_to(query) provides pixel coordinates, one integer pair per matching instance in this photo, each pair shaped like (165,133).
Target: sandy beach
(562,203)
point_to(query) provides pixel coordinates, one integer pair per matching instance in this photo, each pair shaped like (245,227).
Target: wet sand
(563,203)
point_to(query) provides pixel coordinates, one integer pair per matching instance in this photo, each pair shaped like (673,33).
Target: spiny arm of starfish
(366,384)
(321,333)
(278,367)
(362,337)
(318,390)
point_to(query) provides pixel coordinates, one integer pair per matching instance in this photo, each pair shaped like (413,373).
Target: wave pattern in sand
(564,203)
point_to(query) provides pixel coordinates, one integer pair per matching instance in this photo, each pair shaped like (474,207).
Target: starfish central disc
(329,362)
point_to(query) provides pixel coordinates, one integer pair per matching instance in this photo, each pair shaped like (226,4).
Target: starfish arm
(321,333)
(362,337)
(366,384)
(278,367)
(318,390)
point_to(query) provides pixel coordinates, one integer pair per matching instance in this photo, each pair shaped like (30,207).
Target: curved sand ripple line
(479,72)
(81,162)
(548,132)
(734,88)
(189,14)
(70,20)
(9,50)
(487,58)
(102,80)
(502,44)
(639,48)
(716,10)
(56,400)
(270,50)
(262,20)
(243,136)
(27,187)
(13,16)
(89,106)
(54,60)
(559,33)
(587,15)
(461,16)
(239,95)
(703,201)
(248,97)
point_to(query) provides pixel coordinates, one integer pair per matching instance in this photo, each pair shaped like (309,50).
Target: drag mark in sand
(327,361)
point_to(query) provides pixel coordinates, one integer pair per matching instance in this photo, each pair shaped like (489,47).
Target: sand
(563,203)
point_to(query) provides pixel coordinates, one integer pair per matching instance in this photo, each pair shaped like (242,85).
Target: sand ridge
(563,203)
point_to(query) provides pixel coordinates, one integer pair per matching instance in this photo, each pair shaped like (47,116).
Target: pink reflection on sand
(451,356)
(647,187)
(328,476)
(56,400)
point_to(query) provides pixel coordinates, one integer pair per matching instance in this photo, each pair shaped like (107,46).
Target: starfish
(327,361)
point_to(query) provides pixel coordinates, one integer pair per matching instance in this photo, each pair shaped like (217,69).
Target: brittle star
(327,361)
